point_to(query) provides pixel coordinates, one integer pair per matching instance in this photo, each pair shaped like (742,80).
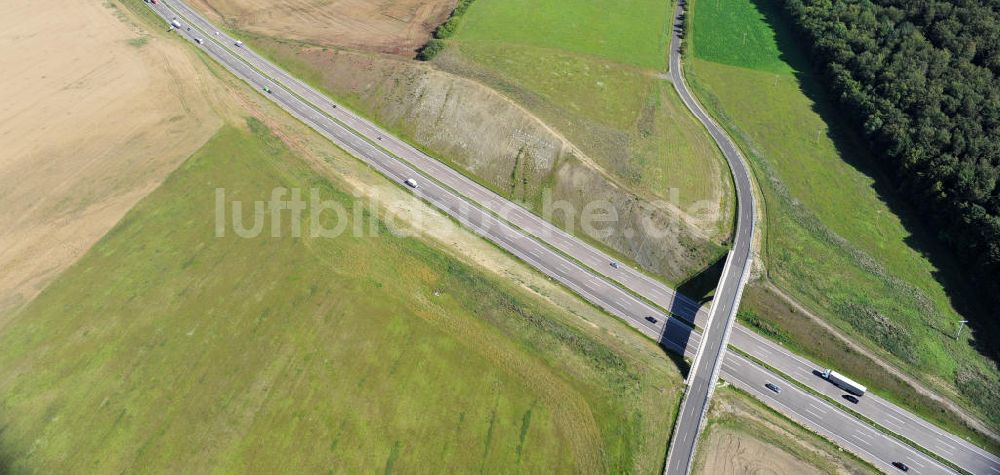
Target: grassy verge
(168,347)
(836,239)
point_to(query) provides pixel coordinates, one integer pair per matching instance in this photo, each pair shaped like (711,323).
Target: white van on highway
(410,182)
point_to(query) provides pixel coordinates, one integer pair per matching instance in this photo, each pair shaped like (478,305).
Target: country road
(623,291)
(715,337)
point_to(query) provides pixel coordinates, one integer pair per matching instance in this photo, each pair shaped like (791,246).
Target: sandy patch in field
(90,123)
(745,437)
(387,26)
(733,453)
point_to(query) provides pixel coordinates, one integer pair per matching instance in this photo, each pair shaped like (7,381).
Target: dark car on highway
(652,320)
(773,387)
(851,398)
(902,466)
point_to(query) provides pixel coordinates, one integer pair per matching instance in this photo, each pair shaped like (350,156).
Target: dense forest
(920,78)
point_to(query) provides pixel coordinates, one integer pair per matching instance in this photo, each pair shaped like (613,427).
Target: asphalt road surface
(588,272)
(705,367)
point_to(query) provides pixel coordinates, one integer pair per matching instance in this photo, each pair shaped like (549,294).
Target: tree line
(444,30)
(920,78)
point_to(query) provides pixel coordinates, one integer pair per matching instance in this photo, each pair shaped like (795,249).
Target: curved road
(624,291)
(705,368)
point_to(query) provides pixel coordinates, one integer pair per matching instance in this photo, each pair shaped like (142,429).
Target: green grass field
(169,349)
(834,238)
(633,32)
(736,33)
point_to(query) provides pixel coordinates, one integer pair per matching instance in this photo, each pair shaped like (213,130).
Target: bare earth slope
(93,115)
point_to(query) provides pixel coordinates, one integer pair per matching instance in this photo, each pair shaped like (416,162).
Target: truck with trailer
(843,382)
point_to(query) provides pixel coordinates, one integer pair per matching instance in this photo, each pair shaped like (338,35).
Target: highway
(705,367)
(588,272)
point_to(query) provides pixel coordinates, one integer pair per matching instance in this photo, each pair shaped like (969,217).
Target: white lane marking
(818,415)
(818,408)
(942,444)
(894,418)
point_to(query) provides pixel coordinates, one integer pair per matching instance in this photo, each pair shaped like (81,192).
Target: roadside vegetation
(444,30)
(838,239)
(168,348)
(742,435)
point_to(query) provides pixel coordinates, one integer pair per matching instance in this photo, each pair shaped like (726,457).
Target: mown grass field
(837,238)
(634,32)
(167,348)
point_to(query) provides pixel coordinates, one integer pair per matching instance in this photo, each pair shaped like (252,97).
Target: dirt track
(95,113)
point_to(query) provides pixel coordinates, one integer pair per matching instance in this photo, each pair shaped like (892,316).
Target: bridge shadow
(675,340)
(700,288)
(851,146)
